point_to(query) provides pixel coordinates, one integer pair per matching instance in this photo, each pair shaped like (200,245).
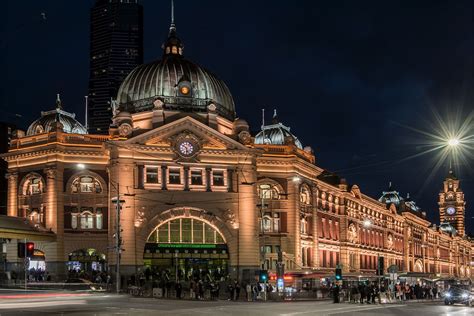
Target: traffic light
(338,274)
(263,276)
(21,250)
(30,249)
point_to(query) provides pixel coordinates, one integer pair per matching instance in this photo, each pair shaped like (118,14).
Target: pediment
(166,135)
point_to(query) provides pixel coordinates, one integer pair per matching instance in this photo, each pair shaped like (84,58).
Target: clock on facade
(186,148)
(450,210)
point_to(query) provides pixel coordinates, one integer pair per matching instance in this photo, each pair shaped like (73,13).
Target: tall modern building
(6,130)
(116,48)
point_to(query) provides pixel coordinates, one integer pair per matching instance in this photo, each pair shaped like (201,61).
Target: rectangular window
(276,222)
(196,177)
(218,178)
(98,220)
(174,176)
(268,249)
(151,175)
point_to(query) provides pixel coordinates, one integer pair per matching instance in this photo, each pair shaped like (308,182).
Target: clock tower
(451,203)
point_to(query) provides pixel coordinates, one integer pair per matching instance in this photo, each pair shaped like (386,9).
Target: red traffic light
(30,249)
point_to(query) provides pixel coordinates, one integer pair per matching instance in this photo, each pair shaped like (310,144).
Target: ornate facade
(199,191)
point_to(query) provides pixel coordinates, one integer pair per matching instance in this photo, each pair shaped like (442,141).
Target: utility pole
(26,267)
(118,238)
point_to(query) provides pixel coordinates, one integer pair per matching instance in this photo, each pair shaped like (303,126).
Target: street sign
(393,269)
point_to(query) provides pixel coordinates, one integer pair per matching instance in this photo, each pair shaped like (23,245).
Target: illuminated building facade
(200,192)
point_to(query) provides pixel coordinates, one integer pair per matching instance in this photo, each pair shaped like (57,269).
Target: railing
(59,137)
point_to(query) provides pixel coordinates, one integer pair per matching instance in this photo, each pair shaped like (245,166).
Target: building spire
(172,45)
(275,117)
(59,104)
(172,25)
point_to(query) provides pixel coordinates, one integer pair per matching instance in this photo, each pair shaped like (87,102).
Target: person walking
(237,290)
(248,289)
(230,289)
(178,288)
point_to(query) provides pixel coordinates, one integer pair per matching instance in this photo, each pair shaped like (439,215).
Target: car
(458,294)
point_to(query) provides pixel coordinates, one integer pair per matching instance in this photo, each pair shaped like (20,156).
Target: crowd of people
(372,293)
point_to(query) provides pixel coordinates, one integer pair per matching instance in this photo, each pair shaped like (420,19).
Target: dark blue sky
(345,75)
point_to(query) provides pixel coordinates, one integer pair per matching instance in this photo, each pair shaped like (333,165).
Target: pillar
(121,180)
(54,252)
(248,246)
(12,197)
(294,220)
(315,255)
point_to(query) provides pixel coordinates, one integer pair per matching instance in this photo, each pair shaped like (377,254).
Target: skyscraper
(116,48)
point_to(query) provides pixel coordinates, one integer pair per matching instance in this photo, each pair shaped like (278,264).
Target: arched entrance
(86,261)
(187,248)
(418,266)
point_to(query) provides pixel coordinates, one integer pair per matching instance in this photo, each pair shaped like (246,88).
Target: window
(186,230)
(86,184)
(174,176)
(218,178)
(267,249)
(87,220)
(36,216)
(34,186)
(267,191)
(74,220)
(303,226)
(151,175)
(271,222)
(196,177)
(305,196)
(98,220)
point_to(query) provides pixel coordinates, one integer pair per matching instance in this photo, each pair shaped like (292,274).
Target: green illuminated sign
(196,246)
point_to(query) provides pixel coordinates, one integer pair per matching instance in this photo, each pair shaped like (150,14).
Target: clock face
(450,210)
(186,148)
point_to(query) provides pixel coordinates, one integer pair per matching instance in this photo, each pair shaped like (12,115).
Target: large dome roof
(47,122)
(165,79)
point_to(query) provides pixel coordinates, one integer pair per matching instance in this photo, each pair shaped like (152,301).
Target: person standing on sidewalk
(248,289)
(237,290)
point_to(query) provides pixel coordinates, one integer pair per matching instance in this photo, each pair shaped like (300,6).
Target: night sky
(349,77)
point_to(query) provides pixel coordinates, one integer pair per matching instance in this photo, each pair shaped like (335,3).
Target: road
(67,303)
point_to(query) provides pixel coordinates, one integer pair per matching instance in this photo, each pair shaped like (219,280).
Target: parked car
(458,294)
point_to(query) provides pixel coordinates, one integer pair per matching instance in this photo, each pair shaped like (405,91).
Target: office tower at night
(116,48)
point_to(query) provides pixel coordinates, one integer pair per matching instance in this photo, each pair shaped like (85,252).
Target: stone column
(406,249)
(294,220)
(12,197)
(248,245)
(54,252)
(121,178)
(315,255)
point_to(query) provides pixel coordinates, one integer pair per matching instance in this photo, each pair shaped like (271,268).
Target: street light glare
(81,166)
(453,142)
(367,223)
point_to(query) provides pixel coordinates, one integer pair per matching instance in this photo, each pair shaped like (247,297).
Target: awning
(12,227)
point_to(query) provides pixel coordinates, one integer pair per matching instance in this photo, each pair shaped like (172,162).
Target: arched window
(268,192)
(32,184)
(186,231)
(87,220)
(36,216)
(86,184)
(305,195)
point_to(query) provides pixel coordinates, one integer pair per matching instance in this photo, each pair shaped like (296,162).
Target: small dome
(276,134)
(391,196)
(48,122)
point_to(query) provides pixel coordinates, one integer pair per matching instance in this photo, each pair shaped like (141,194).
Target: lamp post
(118,239)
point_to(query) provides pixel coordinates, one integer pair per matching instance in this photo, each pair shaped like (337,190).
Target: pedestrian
(178,288)
(237,290)
(335,292)
(248,289)
(362,291)
(230,289)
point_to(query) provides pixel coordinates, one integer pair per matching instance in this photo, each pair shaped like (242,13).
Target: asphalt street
(64,303)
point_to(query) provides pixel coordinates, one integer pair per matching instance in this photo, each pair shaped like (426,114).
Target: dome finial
(172,45)
(59,104)
(172,25)
(275,117)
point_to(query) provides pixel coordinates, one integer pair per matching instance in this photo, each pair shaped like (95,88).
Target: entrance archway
(418,266)
(187,248)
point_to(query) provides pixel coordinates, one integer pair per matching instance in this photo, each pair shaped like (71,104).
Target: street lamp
(367,223)
(453,142)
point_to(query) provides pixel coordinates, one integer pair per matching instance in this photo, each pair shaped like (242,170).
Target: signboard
(393,276)
(280,285)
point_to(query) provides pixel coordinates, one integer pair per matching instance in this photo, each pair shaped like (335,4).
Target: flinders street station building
(197,192)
